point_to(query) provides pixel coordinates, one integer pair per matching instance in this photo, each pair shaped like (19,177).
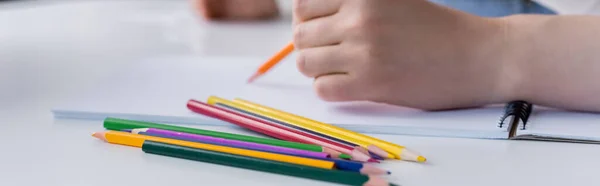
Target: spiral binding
(519,109)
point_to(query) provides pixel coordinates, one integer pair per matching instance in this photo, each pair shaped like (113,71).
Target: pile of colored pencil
(302,147)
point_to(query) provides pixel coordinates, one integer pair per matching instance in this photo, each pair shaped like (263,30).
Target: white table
(49,51)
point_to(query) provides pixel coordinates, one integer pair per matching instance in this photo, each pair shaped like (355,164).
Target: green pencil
(335,176)
(122,124)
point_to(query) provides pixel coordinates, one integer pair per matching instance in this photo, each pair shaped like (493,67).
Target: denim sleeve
(496,8)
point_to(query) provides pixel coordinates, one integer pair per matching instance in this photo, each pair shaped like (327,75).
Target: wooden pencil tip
(376,181)
(372,170)
(99,135)
(421,159)
(253,77)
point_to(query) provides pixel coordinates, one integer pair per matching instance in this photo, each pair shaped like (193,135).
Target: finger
(313,62)
(318,32)
(209,9)
(255,9)
(236,9)
(337,87)
(310,9)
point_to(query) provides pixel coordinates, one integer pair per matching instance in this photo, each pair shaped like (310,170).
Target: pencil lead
(253,77)
(407,154)
(375,156)
(421,159)
(373,160)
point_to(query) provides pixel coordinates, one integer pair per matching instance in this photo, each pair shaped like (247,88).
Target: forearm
(554,60)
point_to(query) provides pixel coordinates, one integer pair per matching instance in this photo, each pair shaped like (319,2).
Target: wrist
(498,48)
(518,54)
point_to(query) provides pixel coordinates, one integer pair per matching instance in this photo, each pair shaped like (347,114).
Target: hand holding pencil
(392,49)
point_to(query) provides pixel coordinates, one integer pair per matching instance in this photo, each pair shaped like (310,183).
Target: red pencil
(264,128)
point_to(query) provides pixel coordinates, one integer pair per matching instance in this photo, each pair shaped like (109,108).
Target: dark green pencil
(123,124)
(335,176)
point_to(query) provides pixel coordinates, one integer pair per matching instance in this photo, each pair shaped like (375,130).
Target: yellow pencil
(136,140)
(398,152)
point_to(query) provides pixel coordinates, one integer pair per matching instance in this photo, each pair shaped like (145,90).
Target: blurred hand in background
(236,9)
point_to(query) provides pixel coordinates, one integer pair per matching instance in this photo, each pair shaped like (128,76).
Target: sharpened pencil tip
(375,156)
(421,159)
(373,160)
(99,135)
(388,172)
(253,77)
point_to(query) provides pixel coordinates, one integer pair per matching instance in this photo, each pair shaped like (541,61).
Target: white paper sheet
(157,90)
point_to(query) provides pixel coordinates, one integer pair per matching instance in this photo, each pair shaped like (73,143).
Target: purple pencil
(228,142)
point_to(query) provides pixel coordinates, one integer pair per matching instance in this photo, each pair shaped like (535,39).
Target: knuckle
(301,63)
(299,8)
(329,91)
(324,91)
(362,26)
(358,22)
(298,36)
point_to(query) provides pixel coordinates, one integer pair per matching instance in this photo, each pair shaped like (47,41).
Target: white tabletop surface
(50,50)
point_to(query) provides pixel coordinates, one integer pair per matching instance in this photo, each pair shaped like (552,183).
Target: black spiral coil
(519,109)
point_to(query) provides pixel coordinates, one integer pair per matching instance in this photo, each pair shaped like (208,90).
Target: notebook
(157,90)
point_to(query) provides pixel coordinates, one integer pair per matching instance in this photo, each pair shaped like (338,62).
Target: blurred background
(46,43)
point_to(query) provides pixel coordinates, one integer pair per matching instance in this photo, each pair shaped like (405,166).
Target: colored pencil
(338,163)
(372,144)
(121,124)
(332,176)
(272,62)
(264,128)
(136,140)
(219,102)
(227,142)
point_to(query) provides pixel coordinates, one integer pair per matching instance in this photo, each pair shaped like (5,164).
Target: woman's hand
(410,53)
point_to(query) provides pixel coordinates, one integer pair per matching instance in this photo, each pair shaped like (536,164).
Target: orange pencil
(273,61)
